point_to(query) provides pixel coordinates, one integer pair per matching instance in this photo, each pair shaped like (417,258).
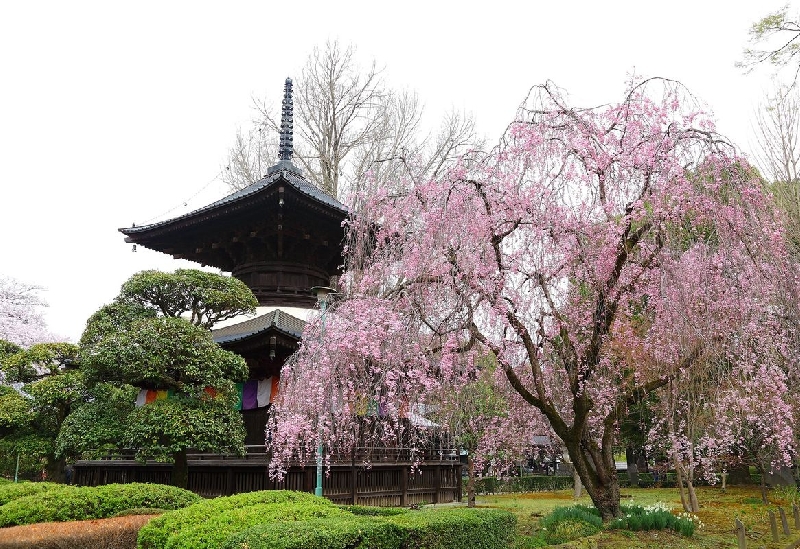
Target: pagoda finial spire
(286,149)
(287,123)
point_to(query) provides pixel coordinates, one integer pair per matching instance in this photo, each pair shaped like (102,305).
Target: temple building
(281,236)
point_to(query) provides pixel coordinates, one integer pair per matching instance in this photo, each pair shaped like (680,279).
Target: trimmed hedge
(159,531)
(213,532)
(353,532)
(457,528)
(533,483)
(15,490)
(295,520)
(83,502)
(429,529)
(363,510)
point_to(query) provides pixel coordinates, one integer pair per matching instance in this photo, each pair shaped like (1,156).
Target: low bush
(429,529)
(457,528)
(569,523)
(158,531)
(654,517)
(13,490)
(212,533)
(373,511)
(349,532)
(82,502)
(532,483)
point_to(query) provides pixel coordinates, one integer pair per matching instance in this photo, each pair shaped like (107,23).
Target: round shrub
(569,523)
(84,502)
(156,533)
(119,497)
(14,490)
(212,533)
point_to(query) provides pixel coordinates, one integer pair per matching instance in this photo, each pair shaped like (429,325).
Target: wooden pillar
(740,535)
(403,486)
(437,482)
(229,482)
(784,522)
(308,480)
(353,479)
(460,486)
(773,525)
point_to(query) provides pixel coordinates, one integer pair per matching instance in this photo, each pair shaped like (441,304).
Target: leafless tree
(778,38)
(348,123)
(777,153)
(777,129)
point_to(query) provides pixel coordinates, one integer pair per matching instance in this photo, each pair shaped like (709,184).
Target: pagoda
(281,236)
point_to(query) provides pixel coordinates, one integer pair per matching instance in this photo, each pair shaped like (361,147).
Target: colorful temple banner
(146,396)
(251,394)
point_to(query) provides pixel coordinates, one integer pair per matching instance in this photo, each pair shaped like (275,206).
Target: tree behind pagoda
(155,336)
(554,254)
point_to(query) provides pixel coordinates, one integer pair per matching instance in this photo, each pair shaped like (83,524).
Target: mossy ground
(718,511)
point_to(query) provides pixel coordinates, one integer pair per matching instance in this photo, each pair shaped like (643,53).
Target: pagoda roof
(277,319)
(281,175)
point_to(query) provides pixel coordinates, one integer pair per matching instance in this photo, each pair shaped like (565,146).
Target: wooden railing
(386,477)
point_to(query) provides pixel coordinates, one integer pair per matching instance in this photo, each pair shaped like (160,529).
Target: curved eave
(236,338)
(240,199)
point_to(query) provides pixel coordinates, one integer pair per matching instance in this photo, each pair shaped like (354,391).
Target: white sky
(113,113)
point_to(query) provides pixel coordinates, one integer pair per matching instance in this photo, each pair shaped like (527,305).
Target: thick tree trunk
(599,476)
(55,469)
(577,487)
(180,469)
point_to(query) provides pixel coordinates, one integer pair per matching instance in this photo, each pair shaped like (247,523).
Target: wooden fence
(389,480)
(785,532)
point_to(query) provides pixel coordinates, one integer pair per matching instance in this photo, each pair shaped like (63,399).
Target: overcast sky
(113,113)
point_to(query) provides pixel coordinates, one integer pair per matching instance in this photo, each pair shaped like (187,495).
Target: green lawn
(717,512)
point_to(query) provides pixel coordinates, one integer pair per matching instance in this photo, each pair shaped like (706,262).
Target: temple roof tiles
(278,319)
(295,180)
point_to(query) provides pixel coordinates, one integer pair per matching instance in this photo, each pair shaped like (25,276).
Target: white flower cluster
(691,517)
(657,506)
